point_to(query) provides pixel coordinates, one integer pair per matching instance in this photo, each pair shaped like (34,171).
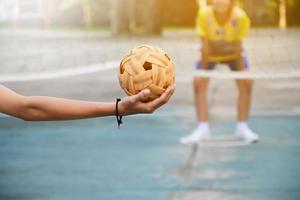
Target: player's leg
(244,104)
(202,130)
(244,98)
(200,92)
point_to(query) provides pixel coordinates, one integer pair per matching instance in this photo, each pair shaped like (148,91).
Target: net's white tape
(247,74)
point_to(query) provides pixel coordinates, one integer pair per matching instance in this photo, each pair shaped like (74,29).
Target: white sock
(242,125)
(203,125)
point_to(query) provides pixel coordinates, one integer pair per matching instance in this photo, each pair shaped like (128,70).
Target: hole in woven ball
(147,66)
(168,57)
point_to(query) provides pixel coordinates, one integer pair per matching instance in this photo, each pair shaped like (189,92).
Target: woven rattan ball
(146,67)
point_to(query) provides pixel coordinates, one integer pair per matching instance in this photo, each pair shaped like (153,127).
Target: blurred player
(222,28)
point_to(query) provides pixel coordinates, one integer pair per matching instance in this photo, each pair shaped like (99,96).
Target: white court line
(223,141)
(36,76)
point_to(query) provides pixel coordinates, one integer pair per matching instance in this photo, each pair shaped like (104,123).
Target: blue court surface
(93,159)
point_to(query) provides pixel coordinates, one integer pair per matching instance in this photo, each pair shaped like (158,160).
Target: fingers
(164,98)
(129,103)
(134,104)
(141,96)
(169,92)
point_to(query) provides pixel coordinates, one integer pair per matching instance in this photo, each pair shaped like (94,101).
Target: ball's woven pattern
(146,67)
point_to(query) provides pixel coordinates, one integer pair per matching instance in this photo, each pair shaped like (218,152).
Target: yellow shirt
(222,37)
(235,29)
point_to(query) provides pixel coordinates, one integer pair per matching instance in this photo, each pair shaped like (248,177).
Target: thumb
(142,95)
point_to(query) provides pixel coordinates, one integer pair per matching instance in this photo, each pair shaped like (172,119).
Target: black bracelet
(119,118)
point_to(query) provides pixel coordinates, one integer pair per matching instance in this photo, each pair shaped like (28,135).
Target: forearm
(204,61)
(49,108)
(208,56)
(40,108)
(204,53)
(238,56)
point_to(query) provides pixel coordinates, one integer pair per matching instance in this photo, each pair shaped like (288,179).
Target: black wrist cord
(119,117)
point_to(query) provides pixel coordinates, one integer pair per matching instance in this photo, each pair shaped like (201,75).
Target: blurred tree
(273,12)
(262,12)
(90,9)
(120,16)
(293,14)
(282,14)
(135,17)
(178,13)
(148,16)
(49,13)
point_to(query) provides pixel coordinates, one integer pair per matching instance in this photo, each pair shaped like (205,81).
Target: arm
(39,108)
(204,53)
(201,28)
(238,55)
(244,24)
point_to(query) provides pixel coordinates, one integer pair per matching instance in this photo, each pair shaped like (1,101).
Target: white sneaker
(196,136)
(247,135)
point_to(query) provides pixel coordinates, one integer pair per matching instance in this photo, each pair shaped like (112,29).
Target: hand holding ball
(146,67)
